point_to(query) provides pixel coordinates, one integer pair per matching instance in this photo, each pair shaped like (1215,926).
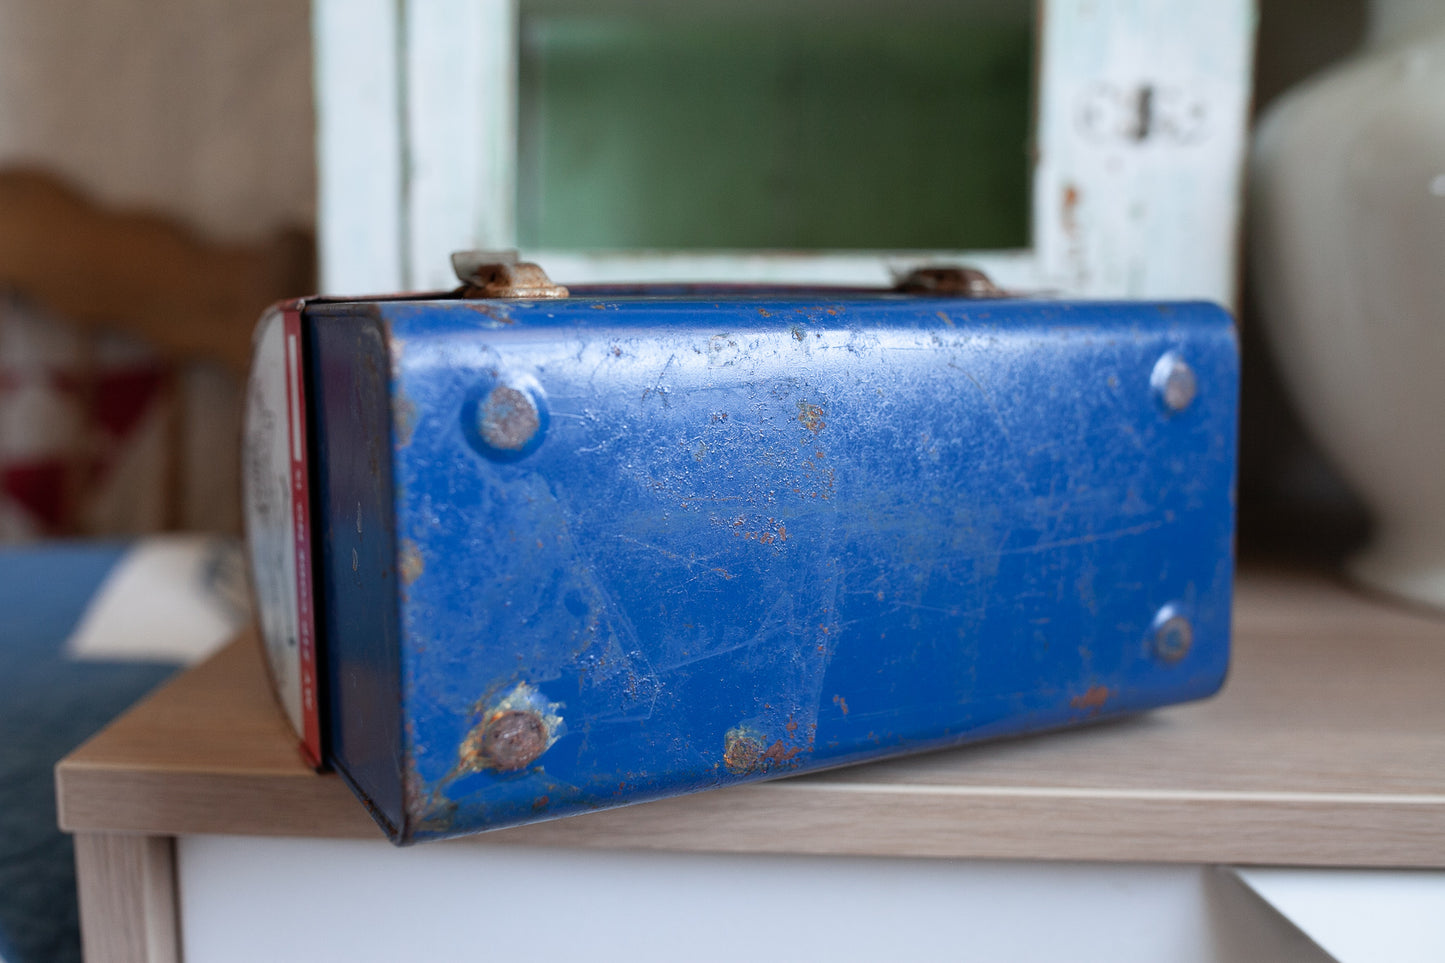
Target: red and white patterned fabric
(85,426)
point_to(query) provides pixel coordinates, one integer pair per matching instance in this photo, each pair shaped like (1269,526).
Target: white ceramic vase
(1348,245)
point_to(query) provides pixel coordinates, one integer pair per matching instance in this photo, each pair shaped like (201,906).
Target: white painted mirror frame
(1140,136)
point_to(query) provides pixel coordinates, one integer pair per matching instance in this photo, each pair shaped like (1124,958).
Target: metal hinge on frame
(499,274)
(949,282)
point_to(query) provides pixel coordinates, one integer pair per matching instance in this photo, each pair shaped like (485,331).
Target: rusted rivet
(513,739)
(1173,634)
(510,733)
(507,420)
(1173,381)
(743,752)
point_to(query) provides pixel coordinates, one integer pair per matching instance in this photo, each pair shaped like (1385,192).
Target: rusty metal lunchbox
(522,552)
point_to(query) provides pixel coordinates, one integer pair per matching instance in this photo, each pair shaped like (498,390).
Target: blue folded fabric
(48,706)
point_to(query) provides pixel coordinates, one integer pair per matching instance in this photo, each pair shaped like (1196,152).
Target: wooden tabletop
(1327,747)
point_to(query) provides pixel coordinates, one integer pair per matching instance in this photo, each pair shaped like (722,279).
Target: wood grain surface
(127,891)
(1327,747)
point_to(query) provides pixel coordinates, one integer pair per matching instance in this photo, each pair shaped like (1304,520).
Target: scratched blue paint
(751,536)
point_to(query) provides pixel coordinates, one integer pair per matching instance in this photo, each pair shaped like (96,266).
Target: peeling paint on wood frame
(1140,133)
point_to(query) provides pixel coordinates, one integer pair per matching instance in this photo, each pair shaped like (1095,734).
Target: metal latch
(498,274)
(950,282)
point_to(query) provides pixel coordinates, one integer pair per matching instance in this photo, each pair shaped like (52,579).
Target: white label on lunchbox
(278,525)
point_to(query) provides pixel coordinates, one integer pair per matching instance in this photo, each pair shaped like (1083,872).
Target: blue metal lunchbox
(522,552)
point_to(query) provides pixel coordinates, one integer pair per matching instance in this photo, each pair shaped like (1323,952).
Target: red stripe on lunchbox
(301,533)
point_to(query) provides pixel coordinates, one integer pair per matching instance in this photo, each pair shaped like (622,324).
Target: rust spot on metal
(412,564)
(810,416)
(404,415)
(765,312)
(509,419)
(778,753)
(747,752)
(798,334)
(742,752)
(1094,698)
(841,703)
(1068,214)
(413,789)
(762,536)
(950,281)
(499,313)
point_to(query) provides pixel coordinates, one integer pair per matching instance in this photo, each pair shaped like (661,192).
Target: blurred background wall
(157,190)
(198,110)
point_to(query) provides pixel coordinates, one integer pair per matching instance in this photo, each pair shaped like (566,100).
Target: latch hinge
(498,274)
(950,282)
